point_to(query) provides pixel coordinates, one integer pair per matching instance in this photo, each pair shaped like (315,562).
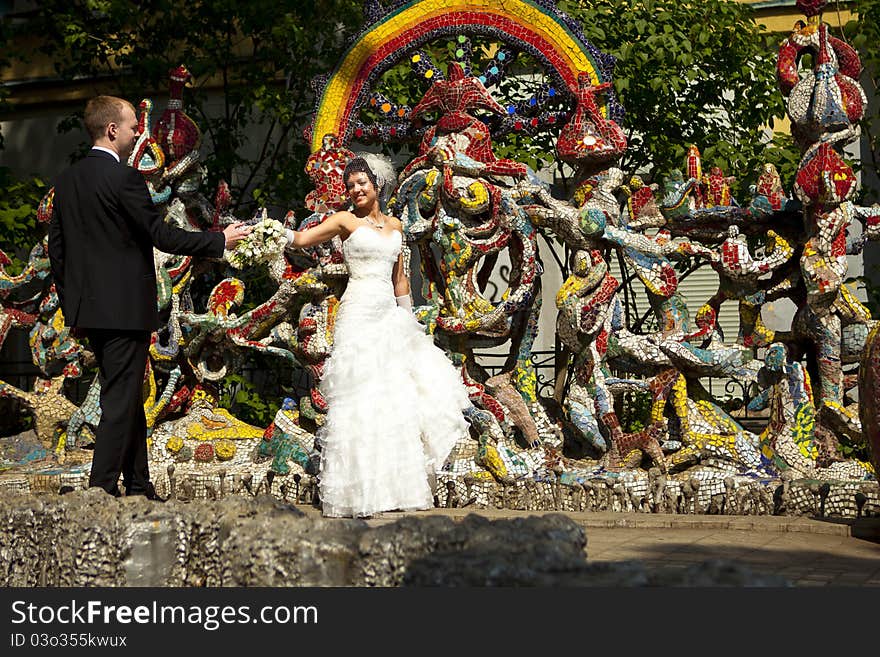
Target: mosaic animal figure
(22,313)
(741,277)
(706,432)
(50,408)
(788,439)
(286,442)
(472,221)
(37,268)
(84,420)
(52,345)
(210,335)
(627,449)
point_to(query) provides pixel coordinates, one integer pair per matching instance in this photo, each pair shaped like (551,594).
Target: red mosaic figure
(324,168)
(590,139)
(176,132)
(457,131)
(695,170)
(770,186)
(719,187)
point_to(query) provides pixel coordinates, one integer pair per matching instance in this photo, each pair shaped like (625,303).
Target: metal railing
(544,362)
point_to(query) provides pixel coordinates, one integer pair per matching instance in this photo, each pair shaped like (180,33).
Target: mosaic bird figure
(147,155)
(176,132)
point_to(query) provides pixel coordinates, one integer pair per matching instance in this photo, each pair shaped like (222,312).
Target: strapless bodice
(370,255)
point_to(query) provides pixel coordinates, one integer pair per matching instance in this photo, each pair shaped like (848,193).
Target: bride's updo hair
(359,165)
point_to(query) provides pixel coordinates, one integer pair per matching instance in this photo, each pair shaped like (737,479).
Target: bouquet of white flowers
(264,242)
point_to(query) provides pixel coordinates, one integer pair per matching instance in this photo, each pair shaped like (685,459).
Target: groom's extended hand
(236,232)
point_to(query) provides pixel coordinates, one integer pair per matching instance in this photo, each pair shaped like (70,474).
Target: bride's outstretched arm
(326,230)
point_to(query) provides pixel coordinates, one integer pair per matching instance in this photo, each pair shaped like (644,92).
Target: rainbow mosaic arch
(535,26)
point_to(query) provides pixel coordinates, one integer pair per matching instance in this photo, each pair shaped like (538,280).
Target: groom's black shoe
(150,493)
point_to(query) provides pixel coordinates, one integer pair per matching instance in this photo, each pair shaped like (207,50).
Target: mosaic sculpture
(825,109)
(464,210)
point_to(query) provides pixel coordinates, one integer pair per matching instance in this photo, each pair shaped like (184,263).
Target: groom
(101,237)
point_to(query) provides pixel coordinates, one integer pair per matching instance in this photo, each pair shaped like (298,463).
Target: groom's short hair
(100,112)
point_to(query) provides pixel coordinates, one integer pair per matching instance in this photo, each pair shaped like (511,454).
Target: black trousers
(121,437)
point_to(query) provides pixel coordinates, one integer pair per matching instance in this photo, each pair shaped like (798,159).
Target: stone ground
(804,551)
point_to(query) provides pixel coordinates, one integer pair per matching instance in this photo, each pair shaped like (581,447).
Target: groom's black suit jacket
(101,238)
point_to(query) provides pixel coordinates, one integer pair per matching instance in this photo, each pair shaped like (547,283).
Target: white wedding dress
(395,400)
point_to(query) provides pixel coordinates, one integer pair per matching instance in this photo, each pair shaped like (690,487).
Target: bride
(395,400)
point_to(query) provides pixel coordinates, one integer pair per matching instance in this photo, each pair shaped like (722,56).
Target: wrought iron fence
(544,362)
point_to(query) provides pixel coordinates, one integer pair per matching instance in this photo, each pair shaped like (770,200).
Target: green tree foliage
(247,401)
(258,58)
(18,217)
(704,75)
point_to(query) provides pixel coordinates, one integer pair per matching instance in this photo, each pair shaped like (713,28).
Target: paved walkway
(805,551)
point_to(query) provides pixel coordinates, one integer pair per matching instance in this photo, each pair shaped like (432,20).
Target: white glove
(404,301)
(291,237)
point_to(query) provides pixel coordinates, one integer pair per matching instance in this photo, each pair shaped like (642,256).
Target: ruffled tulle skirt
(395,408)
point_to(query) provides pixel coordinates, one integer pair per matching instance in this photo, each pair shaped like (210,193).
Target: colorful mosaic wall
(463,208)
